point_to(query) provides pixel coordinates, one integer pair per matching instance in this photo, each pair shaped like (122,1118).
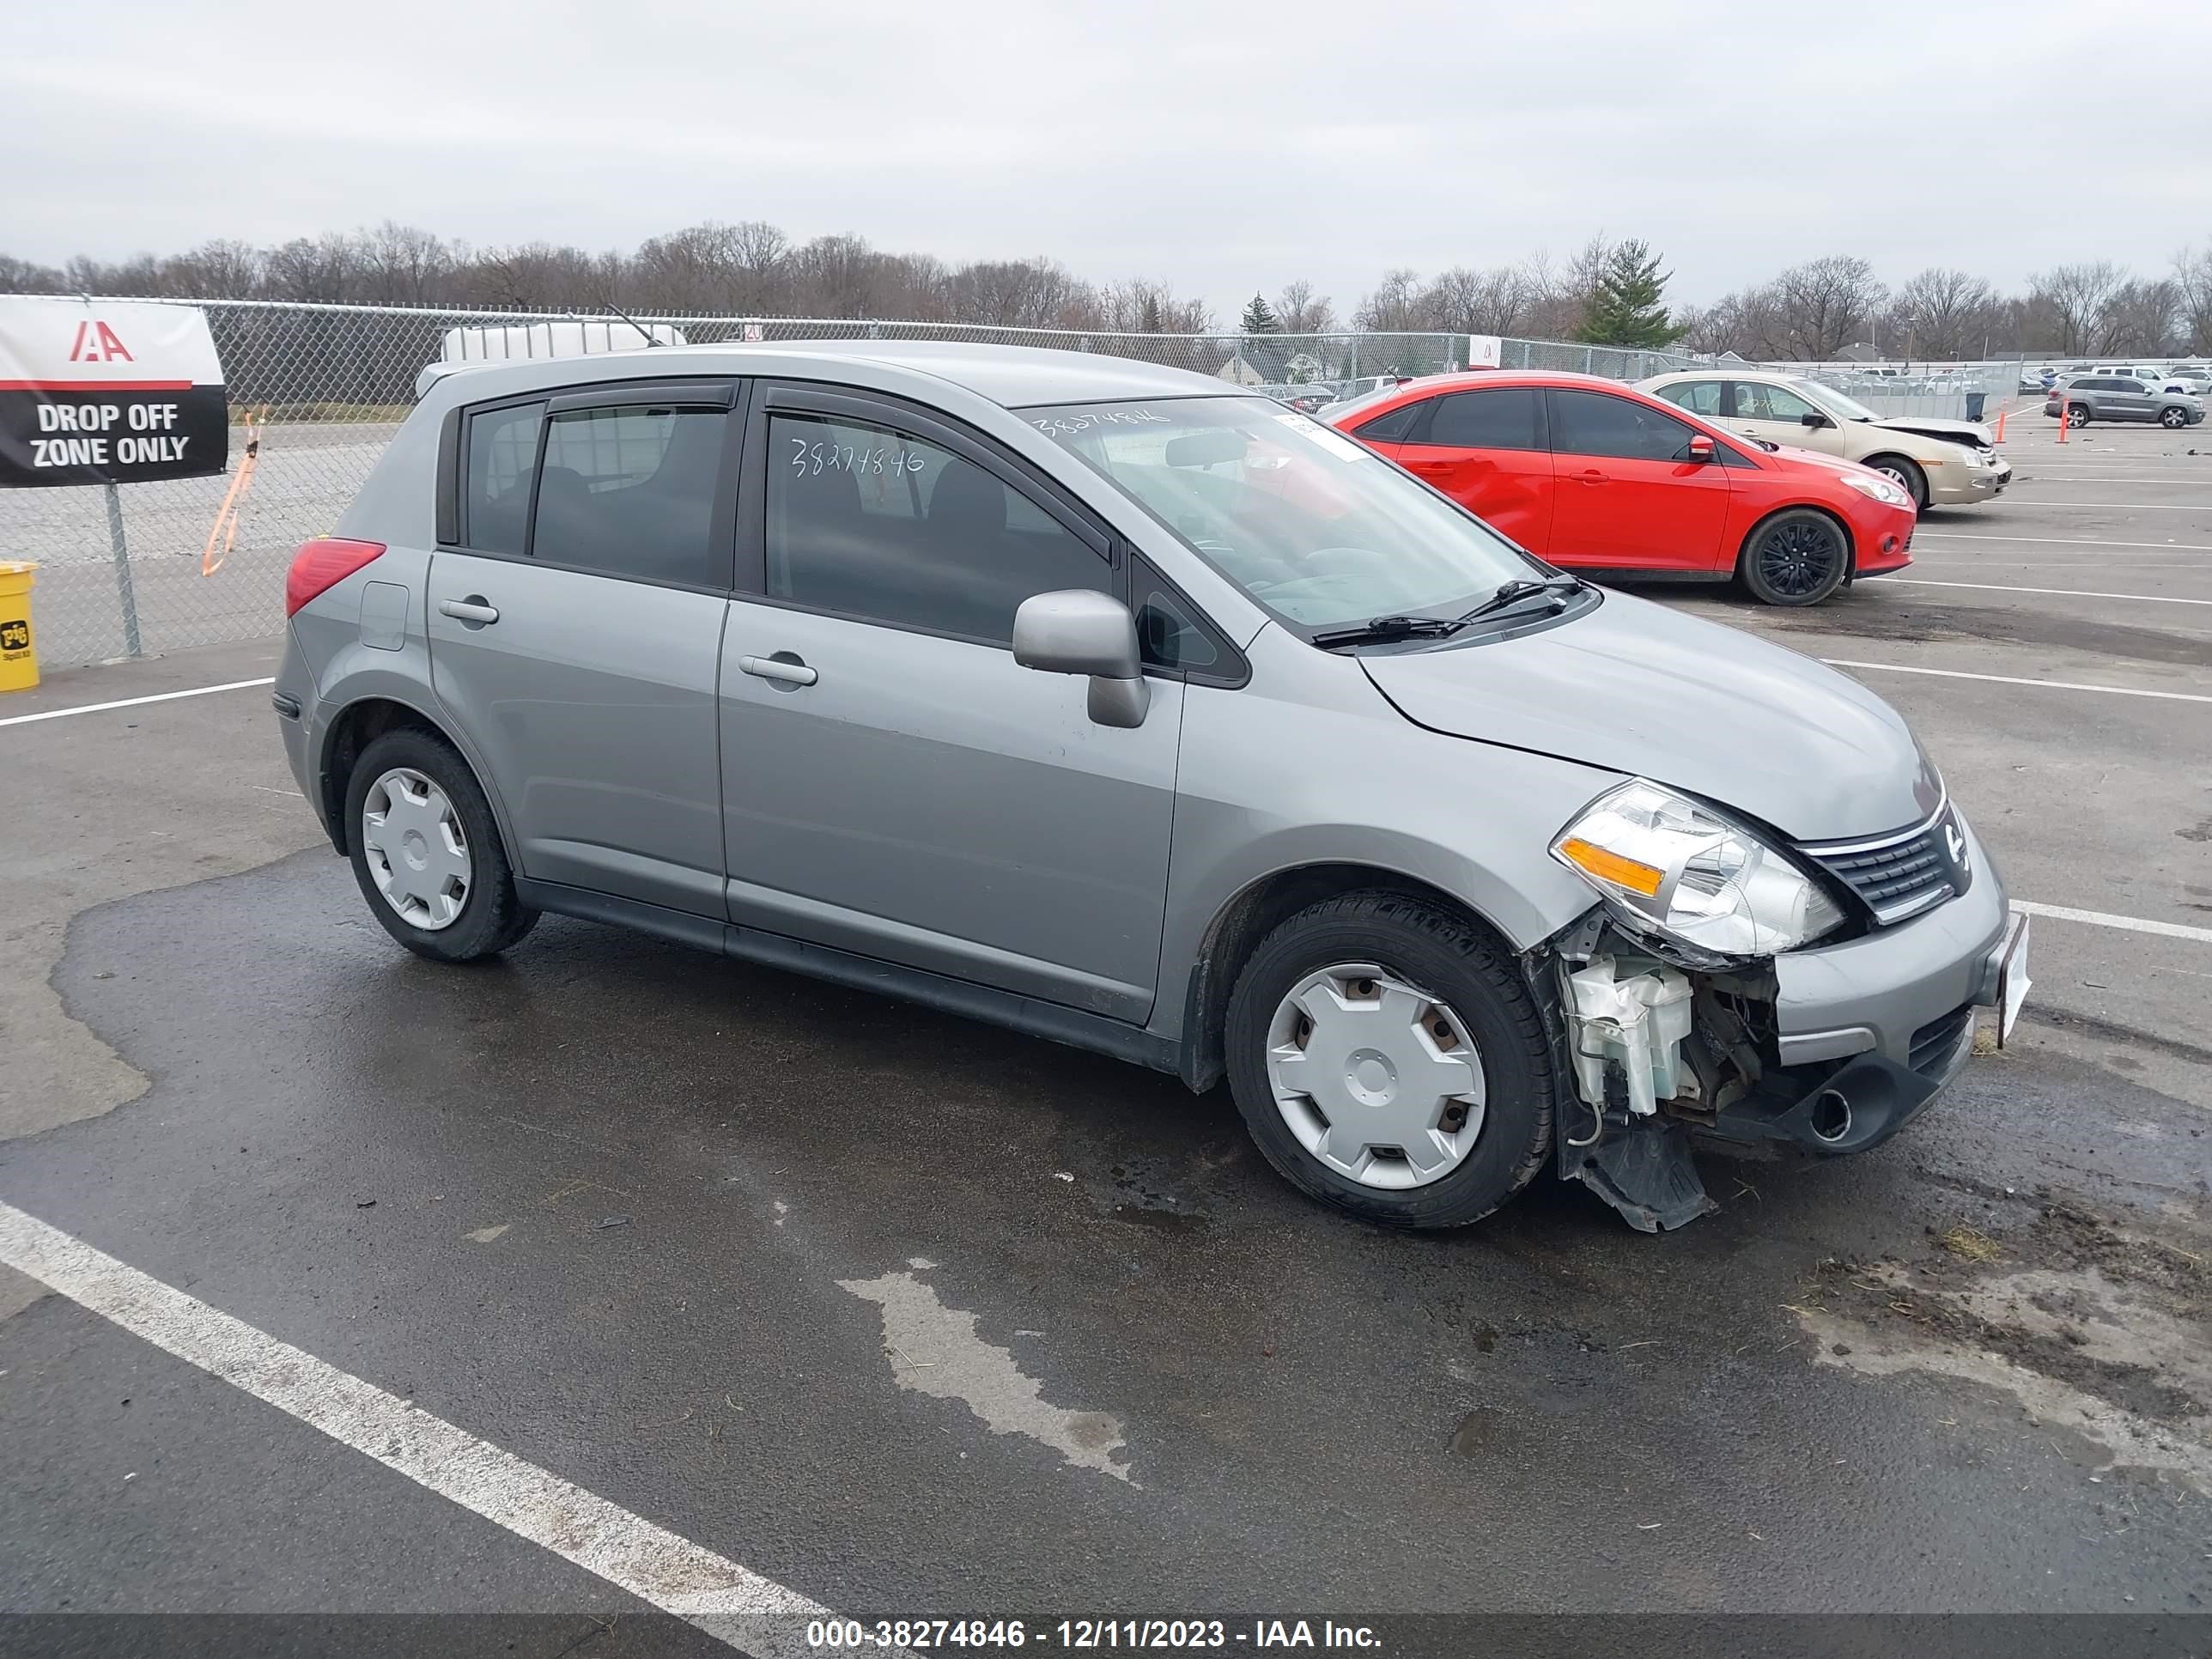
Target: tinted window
(2131,386)
(1167,628)
(1756,401)
(868,522)
(503,460)
(631,491)
(1598,423)
(1392,428)
(1503,419)
(1700,396)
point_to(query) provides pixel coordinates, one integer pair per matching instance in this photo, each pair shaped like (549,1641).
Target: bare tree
(1301,311)
(22,276)
(2192,279)
(1944,314)
(2075,297)
(1395,306)
(2140,318)
(1822,306)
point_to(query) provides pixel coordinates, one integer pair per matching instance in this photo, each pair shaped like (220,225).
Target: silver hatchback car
(1114,706)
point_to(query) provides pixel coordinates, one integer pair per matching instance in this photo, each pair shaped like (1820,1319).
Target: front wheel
(1794,558)
(1390,1061)
(426,852)
(2174,419)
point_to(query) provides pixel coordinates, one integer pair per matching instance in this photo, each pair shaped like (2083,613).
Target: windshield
(1319,531)
(1835,402)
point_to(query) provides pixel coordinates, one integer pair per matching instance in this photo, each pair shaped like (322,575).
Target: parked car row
(1109,703)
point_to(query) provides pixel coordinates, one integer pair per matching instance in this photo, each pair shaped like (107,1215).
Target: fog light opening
(1832,1116)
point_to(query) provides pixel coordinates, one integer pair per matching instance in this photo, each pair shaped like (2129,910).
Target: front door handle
(473,609)
(787,669)
(1590,475)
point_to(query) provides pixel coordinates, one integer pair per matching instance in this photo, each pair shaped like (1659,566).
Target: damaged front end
(1668,997)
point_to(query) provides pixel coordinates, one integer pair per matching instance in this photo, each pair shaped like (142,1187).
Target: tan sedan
(1948,463)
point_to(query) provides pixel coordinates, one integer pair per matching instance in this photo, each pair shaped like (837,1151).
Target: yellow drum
(19,658)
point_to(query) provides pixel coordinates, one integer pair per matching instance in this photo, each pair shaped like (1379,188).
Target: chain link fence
(120,568)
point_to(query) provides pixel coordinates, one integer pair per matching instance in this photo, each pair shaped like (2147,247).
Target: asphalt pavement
(898,1314)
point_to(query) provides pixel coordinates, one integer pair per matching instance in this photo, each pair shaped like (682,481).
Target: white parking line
(2130,924)
(2007,587)
(2057,541)
(2010,679)
(2122,507)
(725,1600)
(2201,475)
(133,702)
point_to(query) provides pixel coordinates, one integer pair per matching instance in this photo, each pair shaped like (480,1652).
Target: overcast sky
(1217,148)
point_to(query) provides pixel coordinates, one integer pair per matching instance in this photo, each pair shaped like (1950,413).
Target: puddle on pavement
(2091,1329)
(933,1349)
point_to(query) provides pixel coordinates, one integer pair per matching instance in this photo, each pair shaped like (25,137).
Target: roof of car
(1011,375)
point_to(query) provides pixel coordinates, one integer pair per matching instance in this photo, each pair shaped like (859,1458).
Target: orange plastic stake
(225,528)
(2001,415)
(2065,414)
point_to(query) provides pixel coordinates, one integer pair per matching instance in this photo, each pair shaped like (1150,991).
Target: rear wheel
(2077,415)
(1796,557)
(1906,475)
(2174,417)
(427,852)
(1388,1059)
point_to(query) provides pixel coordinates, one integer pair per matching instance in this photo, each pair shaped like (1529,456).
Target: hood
(1957,431)
(1636,688)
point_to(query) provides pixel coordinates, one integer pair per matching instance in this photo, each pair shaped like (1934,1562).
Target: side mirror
(1813,418)
(1077,631)
(1701,447)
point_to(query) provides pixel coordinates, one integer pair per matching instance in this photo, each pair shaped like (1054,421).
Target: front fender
(1270,784)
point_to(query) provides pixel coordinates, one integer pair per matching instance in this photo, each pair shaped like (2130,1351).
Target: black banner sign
(108,391)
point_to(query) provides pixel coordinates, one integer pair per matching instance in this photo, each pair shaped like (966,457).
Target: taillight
(323,563)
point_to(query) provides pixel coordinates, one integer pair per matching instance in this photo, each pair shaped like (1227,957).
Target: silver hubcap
(412,839)
(1377,1079)
(1898,477)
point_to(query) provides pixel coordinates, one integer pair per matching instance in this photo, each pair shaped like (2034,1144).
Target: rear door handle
(471,609)
(791,672)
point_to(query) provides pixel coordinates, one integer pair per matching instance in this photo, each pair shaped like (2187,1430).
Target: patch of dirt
(1870,618)
(2086,1323)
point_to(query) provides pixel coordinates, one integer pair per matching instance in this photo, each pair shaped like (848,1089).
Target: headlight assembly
(1672,867)
(1873,484)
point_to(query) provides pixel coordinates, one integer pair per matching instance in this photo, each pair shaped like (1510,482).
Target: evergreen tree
(1624,307)
(1259,318)
(1149,320)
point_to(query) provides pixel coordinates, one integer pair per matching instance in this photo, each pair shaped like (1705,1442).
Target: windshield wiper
(1377,630)
(1558,587)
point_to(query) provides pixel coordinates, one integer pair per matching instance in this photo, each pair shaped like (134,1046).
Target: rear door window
(502,464)
(1506,417)
(629,490)
(1395,427)
(1698,396)
(1598,424)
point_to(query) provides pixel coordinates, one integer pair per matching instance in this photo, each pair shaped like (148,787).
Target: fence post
(124,592)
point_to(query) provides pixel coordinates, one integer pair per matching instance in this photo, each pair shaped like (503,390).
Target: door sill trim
(1077,1028)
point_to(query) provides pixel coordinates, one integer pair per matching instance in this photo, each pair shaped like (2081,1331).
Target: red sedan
(1594,475)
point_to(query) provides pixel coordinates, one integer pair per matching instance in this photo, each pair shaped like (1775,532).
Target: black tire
(492,917)
(1908,474)
(1799,556)
(2077,415)
(1446,957)
(2173,418)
